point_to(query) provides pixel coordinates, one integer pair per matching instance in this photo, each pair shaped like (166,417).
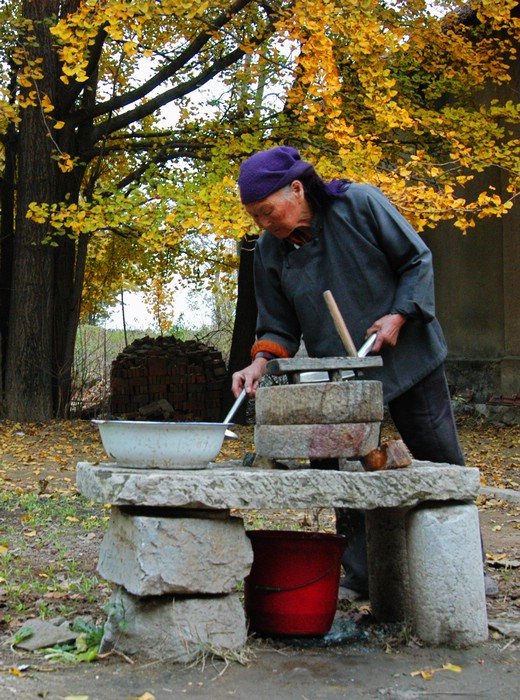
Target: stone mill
(177,552)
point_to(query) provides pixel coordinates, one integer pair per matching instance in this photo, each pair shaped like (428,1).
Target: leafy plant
(21,635)
(85,648)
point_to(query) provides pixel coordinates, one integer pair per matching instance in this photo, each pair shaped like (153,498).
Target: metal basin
(161,445)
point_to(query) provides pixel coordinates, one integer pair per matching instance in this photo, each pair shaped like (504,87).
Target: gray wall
(478,287)
(478,303)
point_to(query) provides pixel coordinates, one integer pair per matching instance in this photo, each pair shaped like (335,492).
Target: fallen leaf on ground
(428,673)
(15,671)
(451,667)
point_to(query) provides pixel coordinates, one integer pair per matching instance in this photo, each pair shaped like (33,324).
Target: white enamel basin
(161,445)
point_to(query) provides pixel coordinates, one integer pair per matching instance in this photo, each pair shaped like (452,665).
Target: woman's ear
(297,188)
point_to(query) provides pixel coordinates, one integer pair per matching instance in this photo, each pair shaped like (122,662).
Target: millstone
(327,402)
(316,441)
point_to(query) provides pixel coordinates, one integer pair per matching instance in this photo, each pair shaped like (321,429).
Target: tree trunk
(28,368)
(7,199)
(70,259)
(245,319)
(28,385)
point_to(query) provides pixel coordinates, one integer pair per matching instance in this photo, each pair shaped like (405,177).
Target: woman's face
(283,211)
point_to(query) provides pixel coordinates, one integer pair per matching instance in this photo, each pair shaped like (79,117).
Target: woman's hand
(387,329)
(249,377)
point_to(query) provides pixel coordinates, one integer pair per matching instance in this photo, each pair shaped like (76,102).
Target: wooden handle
(340,324)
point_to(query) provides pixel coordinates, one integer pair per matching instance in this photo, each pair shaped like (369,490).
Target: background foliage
(122,125)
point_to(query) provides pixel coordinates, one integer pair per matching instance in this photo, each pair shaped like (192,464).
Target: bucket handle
(280,589)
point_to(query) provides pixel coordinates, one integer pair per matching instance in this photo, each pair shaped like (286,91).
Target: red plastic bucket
(292,589)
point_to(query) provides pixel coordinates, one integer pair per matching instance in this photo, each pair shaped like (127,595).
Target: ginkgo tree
(122,125)
(86,79)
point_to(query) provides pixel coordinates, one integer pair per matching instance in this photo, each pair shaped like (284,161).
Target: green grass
(41,573)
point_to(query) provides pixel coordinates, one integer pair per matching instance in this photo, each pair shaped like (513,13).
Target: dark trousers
(424,418)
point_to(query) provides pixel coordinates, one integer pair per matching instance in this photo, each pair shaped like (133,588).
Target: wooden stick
(340,324)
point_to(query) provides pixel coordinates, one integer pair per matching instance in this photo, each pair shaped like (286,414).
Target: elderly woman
(350,239)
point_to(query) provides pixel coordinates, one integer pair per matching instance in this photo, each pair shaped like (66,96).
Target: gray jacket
(374,263)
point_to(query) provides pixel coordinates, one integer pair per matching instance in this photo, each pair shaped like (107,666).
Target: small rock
(375,460)
(392,454)
(46,634)
(398,455)
(509,628)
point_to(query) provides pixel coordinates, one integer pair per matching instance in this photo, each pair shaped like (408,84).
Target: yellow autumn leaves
(368,91)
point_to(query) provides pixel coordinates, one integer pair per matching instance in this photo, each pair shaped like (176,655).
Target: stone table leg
(387,564)
(446,574)
(176,629)
(177,572)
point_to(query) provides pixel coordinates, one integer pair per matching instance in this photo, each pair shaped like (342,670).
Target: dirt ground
(348,671)
(52,537)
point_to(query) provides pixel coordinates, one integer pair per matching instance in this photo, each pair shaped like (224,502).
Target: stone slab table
(423,541)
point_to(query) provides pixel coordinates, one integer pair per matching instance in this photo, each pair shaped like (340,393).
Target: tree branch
(121,121)
(168,71)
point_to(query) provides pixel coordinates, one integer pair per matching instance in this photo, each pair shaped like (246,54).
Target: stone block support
(446,576)
(154,555)
(173,629)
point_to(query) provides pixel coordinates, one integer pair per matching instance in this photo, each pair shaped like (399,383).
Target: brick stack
(190,375)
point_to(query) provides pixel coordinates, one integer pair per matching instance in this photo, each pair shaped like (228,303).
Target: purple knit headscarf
(268,171)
